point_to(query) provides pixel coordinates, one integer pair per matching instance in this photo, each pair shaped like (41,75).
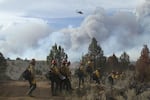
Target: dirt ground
(16,90)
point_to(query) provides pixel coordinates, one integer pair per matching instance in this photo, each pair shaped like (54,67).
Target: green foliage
(118,64)
(124,60)
(3,66)
(56,53)
(94,48)
(94,55)
(3,62)
(112,62)
(18,58)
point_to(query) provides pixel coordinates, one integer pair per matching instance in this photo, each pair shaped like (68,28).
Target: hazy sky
(28,28)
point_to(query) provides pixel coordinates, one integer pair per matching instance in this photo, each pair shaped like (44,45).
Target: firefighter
(81,74)
(111,78)
(68,72)
(54,67)
(117,75)
(63,68)
(113,74)
(96,75)
(89,69)
(32,80)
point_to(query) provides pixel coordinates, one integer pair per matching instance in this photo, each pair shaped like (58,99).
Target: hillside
(16,67)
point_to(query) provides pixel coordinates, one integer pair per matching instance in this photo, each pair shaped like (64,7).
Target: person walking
(32,80)
(81,74)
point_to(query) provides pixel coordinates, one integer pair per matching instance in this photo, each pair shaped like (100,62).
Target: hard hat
(53,62)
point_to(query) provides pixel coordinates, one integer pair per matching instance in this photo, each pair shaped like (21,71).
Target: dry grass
(89,91)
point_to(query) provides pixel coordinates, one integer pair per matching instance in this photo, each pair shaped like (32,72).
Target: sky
(29,28)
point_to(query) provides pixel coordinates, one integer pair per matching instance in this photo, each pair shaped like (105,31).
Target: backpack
(26,74)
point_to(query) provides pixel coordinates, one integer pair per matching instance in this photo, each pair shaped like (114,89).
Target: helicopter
(79,11)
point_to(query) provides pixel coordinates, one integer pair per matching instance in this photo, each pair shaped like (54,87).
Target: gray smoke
(18,38)
(122,31)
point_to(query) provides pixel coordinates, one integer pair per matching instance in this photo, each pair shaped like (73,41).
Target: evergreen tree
(3,62)
(94,48)
(143,65)
(94,55)
(124,60)
(3,66)
(57,54)
(112,63)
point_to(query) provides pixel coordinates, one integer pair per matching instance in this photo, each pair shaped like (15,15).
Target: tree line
(96,56)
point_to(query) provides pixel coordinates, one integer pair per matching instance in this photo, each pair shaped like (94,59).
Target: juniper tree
(95,54)
(112,62)
(3,65)
(124,60)
(58,54)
